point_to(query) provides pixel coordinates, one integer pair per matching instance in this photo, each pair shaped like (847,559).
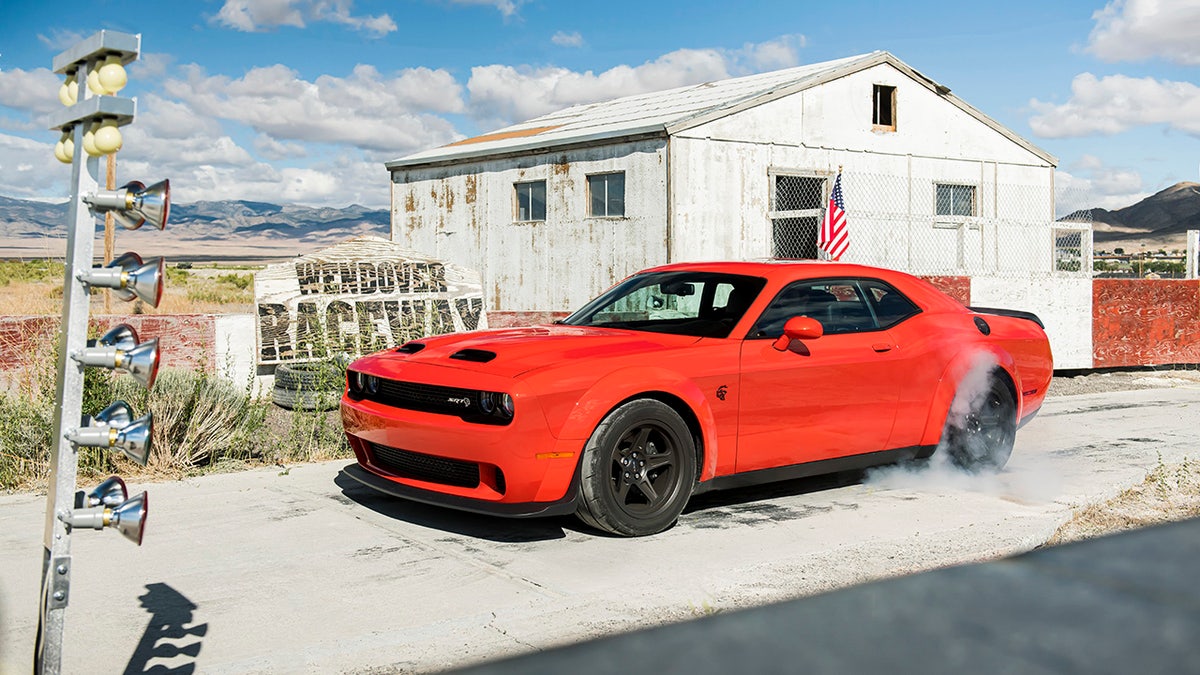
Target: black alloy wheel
(982,439)
(639,468)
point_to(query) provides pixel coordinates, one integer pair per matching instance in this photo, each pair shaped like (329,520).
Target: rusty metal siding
(465,215)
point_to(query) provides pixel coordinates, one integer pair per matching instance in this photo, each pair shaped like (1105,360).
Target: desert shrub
(238,281)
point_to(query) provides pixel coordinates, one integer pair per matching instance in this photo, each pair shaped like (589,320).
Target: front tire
(639,468)
(980,439)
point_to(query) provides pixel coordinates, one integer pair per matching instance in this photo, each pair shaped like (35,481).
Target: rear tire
(638,470)
(981,439)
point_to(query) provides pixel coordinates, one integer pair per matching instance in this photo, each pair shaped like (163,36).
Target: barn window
(606,195)
(883,109)
(531,201)
(955,200)
(797,203)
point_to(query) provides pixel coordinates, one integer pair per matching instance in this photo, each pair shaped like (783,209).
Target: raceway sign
(358,297)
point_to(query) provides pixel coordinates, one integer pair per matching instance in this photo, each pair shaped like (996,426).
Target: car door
(816,399)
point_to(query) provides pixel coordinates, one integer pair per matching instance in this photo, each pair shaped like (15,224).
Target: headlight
(362,383)
(506,406)
(487,402)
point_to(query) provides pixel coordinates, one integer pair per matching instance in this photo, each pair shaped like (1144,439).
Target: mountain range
(259,230)
(1158,221)
(207,229)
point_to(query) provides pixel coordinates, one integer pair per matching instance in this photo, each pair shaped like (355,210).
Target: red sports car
(690,377)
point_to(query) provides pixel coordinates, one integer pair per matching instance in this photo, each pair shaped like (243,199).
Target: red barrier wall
(958,288)
(186,340)
(1144,322)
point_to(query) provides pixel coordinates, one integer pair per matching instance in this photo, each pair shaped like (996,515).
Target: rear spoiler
(1028,316)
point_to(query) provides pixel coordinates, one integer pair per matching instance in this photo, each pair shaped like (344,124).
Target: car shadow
(754,495)
(480,526)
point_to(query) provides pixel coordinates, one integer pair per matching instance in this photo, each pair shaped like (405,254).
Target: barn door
(797,205)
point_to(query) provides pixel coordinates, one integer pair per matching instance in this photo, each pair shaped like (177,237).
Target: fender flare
(957,369)
(620,386)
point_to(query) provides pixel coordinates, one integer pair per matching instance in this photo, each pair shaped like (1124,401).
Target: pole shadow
(167,633)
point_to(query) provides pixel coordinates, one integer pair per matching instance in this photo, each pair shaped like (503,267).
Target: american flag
(833,238)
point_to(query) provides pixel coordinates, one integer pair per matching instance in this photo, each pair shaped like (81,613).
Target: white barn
(555,209)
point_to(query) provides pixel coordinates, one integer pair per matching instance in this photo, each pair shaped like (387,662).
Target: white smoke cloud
(1135,30)
(1116,103)
(1024,479)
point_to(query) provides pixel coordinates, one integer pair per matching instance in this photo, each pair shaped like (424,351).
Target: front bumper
(564,506)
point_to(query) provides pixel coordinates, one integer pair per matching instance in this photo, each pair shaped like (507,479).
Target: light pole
(95,72)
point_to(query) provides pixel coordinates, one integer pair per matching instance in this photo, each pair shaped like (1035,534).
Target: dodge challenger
(691,377)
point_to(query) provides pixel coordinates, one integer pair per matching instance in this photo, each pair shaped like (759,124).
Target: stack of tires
(309,386)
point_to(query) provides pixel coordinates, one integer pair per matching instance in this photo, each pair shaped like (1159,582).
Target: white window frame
(517,201)
(624,191)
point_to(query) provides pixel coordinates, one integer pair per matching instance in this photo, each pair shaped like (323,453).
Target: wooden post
(110,234)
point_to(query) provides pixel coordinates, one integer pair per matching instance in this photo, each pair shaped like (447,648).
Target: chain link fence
(933,225)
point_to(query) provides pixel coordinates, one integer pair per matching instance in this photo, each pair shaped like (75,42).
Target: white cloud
(782,52)
(59,40)
(28,169)
(275,150)
(1134,30)
(258,15)
(365,110)
(255,15)
(1115,103)
(505,94)
(564,39)
(1095,185)
(508,8)
(34,92)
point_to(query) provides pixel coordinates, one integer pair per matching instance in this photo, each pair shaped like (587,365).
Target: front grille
(408,464)
(425,397)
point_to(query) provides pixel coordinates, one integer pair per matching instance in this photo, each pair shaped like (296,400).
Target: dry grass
(35,288)
(1169,493)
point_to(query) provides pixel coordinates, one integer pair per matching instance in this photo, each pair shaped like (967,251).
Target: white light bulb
(93,81)
(112,75)
(89,141)
(108,137)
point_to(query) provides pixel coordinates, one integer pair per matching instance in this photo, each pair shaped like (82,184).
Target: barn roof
(662,113)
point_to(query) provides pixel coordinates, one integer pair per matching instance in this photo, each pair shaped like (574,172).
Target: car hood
(514,351)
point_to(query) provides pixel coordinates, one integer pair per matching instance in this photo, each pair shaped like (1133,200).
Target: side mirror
(799,328)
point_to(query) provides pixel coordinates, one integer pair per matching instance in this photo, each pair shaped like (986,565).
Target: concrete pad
(305,570)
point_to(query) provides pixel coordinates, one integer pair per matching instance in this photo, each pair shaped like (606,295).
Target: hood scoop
(474,355)
(410,347)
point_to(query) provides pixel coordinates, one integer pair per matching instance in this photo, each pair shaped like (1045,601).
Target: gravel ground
(1094,382)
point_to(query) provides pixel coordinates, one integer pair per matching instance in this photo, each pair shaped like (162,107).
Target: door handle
(881,347)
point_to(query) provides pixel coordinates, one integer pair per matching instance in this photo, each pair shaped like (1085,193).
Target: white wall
(721,186)
(465,215)
(1064,304)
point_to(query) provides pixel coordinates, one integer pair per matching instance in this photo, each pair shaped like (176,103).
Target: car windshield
(703,304)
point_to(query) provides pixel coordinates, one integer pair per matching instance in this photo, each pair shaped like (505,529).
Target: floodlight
(119,348)
(110,493)
(128,517)
(89,141)
(64,149)
(108,137)
(134,203)
(68,93)
(113,428)
(112,75)
(129,278)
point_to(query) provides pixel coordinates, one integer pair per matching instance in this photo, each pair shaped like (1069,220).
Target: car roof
(785,271)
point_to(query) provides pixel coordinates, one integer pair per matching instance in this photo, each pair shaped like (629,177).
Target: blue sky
(302,101)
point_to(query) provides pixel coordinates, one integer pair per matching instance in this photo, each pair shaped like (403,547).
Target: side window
(891,307)
(842,306)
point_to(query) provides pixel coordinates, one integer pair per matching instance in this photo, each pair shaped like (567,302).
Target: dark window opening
(606,195)
(884,107)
